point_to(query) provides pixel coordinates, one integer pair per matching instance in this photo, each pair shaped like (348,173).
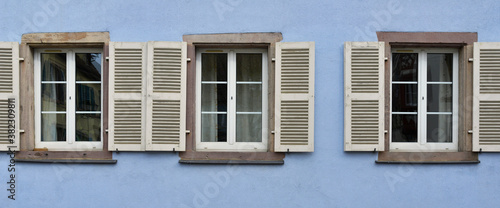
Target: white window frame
(421,145)
(231,145)
(70,143)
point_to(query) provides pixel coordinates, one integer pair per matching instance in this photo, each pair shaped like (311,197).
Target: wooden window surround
(231,40)
(463,41)
(29,42)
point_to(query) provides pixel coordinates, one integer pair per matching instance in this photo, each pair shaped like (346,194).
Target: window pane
(439,97)
(53,97)
(439,128)
(214,97)
(88,127)
(248,98)
(213,128)
(404,128)
(88,97)
(53,127)
(248,128)
(88,67)
(439,67)
(404,97)
(405,67)
(249,67)
(214,67)
(53,66)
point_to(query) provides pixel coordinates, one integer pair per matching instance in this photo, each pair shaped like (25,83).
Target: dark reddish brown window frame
(229,40)
(29,42)
(463,41)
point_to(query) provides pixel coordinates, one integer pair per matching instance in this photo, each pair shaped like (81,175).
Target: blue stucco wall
(329,177)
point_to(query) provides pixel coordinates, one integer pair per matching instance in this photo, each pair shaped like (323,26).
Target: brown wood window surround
(409,96)
(264,41)
(29,43)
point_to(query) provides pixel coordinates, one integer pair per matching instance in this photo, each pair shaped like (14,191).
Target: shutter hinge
(471,59)
(21,59)
(273,132)
(106,131)
(385,131)
(188,131)
(107,58)
(470,131)
(188,59)
(273,59)
(385,59)
(21,130)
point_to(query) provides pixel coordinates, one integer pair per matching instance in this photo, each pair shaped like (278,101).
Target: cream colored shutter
(166,96)
(294,111)
(364,96)
(127,88)
(486,101)
(9,96)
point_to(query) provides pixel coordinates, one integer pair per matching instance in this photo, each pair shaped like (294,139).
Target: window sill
(428,158)
(79,161)
(192,157)
(234,162)
(65,156)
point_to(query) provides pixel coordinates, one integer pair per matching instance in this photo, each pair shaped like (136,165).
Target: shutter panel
(486,101)
(9,96)
(294,110)
(364,96)
(126,102)
(166,98)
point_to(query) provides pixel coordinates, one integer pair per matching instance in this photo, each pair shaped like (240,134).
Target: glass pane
(213,128)
(54,127)
(248,98)
(405,67)
(214,67)
(439,128)
(404,97)
(53,66)
(439,97)
(439,67)
(214,97)
(53,97)
(248,128)
(88,97)
(88,66)
(249,67)
(88,127)
(404,128)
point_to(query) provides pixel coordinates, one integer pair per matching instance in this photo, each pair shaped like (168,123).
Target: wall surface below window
(328,177)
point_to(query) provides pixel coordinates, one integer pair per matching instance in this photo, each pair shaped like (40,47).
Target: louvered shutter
(294,110)
(364,96)
(126,102)
(486,101)
(9,96)
(166,98)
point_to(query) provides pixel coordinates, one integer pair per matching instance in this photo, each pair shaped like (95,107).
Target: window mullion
(70,113)
(232,97)
(422,138)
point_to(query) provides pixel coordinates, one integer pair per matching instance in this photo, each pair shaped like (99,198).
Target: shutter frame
(9,62)
(290,96)
(358,95)
(486,97)
(166,92)
(129,95)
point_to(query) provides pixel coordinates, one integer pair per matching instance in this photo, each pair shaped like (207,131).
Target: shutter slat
(364,96)
(486,101)
(166,100)
(294,97)
(126,91)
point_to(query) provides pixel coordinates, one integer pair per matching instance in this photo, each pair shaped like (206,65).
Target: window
(68,99)
(424,107)
(231,99)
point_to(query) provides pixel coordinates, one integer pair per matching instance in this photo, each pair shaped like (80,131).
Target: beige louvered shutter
(294,110)
(166,96)
(127,105)
(9,96)
(364,96)
(486,101)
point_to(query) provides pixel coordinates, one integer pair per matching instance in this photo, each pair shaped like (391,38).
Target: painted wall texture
(328,177)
